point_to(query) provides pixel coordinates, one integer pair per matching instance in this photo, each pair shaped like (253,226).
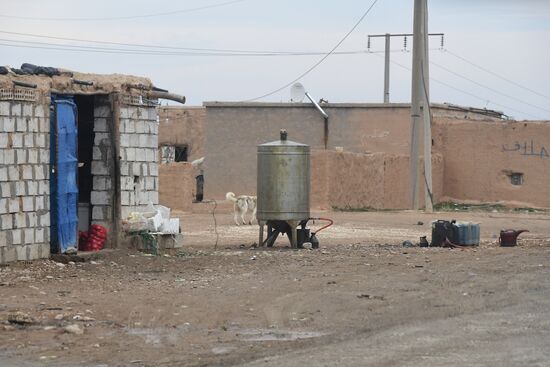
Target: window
(180,153)
(516,178)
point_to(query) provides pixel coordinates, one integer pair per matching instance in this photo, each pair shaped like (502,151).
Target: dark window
(180,153)
(516,178)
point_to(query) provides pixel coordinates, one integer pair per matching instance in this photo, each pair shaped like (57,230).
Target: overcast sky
(509,38)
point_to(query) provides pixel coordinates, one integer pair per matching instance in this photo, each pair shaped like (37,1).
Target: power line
(310,69)
(156,48)
(110,50)
(488,88)
(152,15)
(495,74)
(466,92)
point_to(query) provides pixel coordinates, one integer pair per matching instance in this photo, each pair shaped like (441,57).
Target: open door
(63,180)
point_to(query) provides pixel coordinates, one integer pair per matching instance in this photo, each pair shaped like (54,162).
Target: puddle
(260,335)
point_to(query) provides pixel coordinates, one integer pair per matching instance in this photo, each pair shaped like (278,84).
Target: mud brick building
(75,149)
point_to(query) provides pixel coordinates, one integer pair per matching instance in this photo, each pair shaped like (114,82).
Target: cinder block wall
(139,173)
(24,180)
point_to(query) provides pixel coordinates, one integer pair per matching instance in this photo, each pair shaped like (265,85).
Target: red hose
(324,227)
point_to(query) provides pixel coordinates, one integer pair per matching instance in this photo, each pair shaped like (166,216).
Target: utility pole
(420,109)
(387,51)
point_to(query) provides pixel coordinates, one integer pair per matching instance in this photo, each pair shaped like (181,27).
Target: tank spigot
(284,135)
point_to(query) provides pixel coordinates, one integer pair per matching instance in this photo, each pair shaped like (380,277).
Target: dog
(241,206)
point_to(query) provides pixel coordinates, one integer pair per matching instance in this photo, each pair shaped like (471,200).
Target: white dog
(241,205)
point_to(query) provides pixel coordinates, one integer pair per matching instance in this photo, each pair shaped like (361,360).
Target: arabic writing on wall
(526,148)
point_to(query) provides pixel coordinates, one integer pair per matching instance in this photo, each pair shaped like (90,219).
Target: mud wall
(183,126)
(480,158)
(177,185)
(342,180)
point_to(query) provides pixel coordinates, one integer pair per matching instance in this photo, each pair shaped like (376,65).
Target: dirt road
(362,299)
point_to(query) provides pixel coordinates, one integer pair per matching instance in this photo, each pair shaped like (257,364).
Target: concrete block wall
(139,156)
(24,180)
(102,196)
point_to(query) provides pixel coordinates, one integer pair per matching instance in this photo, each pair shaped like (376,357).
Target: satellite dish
(297,93)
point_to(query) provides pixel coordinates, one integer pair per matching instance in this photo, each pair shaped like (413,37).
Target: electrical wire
(151,15)
(488,88)
(465,92)
(314,66)
(96,49)
(495,74)
(161,50)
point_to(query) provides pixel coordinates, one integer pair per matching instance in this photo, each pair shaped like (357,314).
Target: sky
(495,55)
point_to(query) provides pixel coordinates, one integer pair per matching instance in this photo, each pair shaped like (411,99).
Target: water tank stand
(276,227)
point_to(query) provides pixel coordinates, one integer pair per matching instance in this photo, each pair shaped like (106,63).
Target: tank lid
(284,141)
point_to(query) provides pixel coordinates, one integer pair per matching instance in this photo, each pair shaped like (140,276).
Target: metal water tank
(283,181)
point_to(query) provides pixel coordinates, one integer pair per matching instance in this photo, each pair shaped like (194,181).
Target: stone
(13,205)
(100,124)
(17,140)
(74,329)
(3,174)
(99,168)
(3,140)
(6,221)
(32,156)
(99,198)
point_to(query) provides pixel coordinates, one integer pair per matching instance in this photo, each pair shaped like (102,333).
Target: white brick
(3,174)
(16,237)
(136,169)
(8,125)
(130,154)
(129,126)
(141,128)
(27,109)
(96,154)
(99,183)
(17,140)
(124,168)
(124,198)
(39,111)
(13,205)
(39,173)
(45,220)
(5,189)
(43,188)
(100,124)
(28,234)
(134,140)
(32,219)
(44,125)
(124,112)
(143,198)
(16,109)
(140,155)
(20,156)
(20,188)
(40,203)
(155,128)
(102,139)
(28,203)
(99,168)
(126,183)
(99,198)
(28,140)
(154,197)
(3,206)
(153,169)
(32,125)
(5,108)
(32,188)
(13,173)
(97,213)
(27,172)
(20,220)
(144,170)
(9,156)
(132,199)
(124,140)
(151,155)
(40,140)
(3,140)
(6,221)
(33,156)
(39,235)
(102,111)
(21,124)
(150,183)
(44,156)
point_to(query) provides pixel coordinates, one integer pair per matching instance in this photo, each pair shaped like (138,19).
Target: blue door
(64,166)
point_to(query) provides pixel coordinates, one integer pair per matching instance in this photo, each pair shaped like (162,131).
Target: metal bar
(404,34)
(387,70)
(316,105)
(115,139)
(25,85)
(425,82)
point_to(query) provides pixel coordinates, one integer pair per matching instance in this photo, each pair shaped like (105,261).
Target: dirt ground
(361,299)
